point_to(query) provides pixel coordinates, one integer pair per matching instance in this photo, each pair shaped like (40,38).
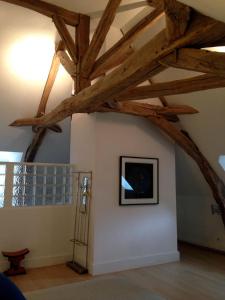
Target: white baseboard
(134,262)
(37,262)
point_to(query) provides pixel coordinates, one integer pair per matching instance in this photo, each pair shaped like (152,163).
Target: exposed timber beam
(162,99)
(116,52)
(196,60)
(82,42)
(155,3)
(40,133)
(177,18)
(113,62)
(194,84)
(65,36)
(99,36)
(136,69)
(187,144)
(67,63)
(145,109)
(50,81)
(48,9)
(35,145)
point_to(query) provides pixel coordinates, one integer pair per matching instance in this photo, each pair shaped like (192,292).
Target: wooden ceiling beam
(67,63)
(123,45)
(177,18)
(162,99)
(196,60)
(82,40)
(40,133)
(145,109)
(136,69)
(155,3)
(99,36)
(112,62)
(48,9)
(66,37)
(176,87)
(50,81)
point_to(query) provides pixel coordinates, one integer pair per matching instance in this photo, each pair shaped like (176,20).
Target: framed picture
(138,180)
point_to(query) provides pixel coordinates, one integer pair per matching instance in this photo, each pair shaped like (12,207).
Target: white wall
(125,237)
(46,231)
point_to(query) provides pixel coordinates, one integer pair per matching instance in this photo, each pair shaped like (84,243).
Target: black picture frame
(138,181)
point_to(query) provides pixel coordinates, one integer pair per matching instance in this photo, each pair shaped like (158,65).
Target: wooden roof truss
(179,45)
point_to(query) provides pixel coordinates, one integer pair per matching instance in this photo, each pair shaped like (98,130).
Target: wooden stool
(15,259)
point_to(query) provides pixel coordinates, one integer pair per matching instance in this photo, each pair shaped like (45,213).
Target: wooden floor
(200,275)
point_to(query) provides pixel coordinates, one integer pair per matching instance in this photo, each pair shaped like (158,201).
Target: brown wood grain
(99,36)
(177,18)
(123,45)
(66,37)
(196,60)
(176,87)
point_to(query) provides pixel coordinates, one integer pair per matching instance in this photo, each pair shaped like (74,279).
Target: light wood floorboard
(200,275)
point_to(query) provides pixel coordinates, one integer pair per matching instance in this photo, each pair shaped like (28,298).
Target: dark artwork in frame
(138,180)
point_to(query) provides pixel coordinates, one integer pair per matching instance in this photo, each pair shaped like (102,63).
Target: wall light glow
(30,57)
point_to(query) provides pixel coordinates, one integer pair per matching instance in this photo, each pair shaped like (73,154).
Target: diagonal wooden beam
(99,36)
(40,133)
(113,62)
(155,3)
(145,109)
(196,60)
(67,63)
(177,18)
(65,36)
(123,45)
(136,69)
(194,84)
(48,9)
(50,81)
(162,99)
(82,41)
(187,144)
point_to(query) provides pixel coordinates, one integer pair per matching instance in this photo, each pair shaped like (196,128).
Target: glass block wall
(24,184)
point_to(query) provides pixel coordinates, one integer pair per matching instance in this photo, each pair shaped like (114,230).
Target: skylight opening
(216,49)
(6,156)
(221,161)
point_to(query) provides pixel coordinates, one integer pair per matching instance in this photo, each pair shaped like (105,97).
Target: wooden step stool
(15,259)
